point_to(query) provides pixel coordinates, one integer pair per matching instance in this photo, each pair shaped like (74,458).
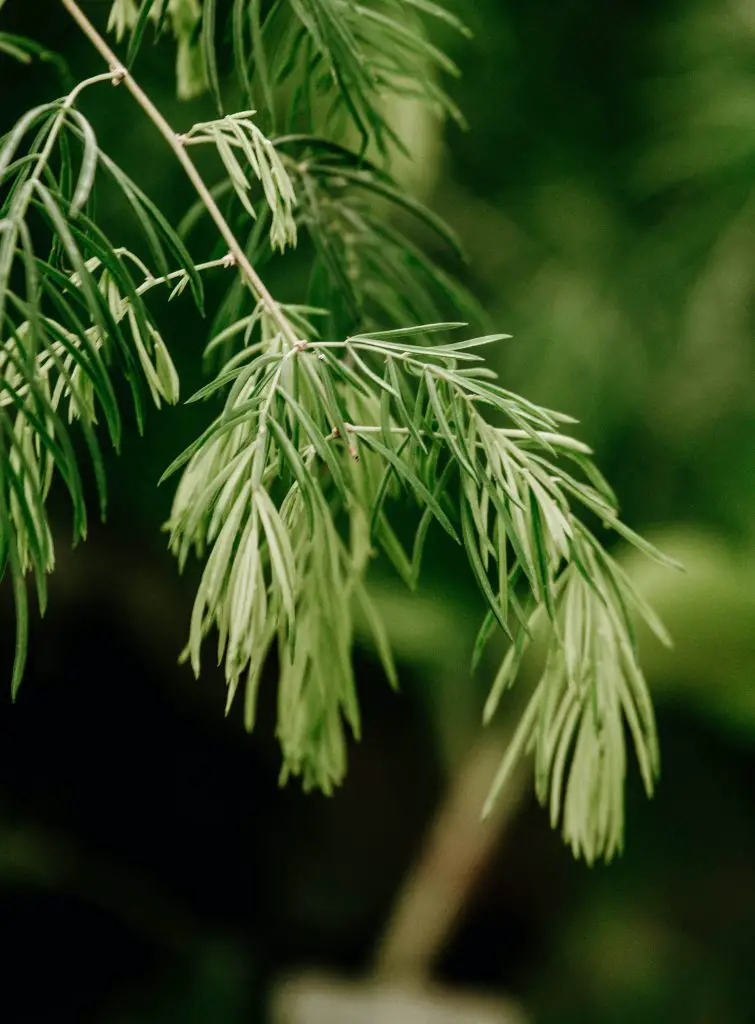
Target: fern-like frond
(327,419)
(241,146)
(278,567)
(69,319)
(367,271)
(591,691)
(315,440)
(340,58)
(346,57)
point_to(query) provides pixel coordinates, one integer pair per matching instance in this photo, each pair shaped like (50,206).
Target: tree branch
(122,74)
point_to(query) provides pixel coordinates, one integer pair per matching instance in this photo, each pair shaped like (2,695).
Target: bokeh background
(150,868)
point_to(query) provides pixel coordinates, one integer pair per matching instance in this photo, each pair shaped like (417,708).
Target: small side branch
(120,73)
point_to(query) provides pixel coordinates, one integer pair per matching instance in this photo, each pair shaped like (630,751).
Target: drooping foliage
(324,414)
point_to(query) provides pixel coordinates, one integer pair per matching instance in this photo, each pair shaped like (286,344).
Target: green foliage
(239,132)
(337,55)
(69,319)
(335,410)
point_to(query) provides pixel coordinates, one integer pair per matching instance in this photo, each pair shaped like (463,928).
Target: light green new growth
(332,409)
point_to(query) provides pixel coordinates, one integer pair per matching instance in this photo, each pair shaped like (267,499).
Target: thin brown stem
(122,74)
(458,848)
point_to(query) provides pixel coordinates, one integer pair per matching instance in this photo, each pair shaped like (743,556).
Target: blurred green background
(150,868)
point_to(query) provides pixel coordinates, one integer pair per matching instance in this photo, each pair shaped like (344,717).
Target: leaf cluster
(72,318)
(289,492)
(337,59)
(328,419)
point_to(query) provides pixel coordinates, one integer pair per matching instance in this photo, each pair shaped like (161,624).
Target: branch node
(118,71)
